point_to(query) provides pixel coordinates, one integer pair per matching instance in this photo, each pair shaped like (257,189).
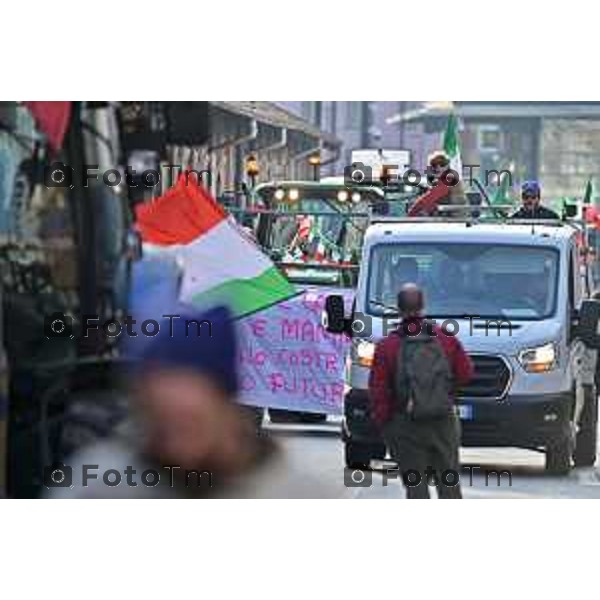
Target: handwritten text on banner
(287,358)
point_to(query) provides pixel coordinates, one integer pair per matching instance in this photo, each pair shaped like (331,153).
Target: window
(353,115)
(313,237)
(489,138)
(511,282)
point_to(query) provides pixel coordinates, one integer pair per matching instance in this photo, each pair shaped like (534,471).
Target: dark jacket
(381,379)
(540,212)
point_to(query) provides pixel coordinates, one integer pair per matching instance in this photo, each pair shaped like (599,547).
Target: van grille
(490,379)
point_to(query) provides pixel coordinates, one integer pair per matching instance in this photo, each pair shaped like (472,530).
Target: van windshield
(462,280)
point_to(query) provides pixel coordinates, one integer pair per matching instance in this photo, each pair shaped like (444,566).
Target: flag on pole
(452,144)
(588,195)
(591,210)
(52,118)
(501,195)
(305,226)
(220,264)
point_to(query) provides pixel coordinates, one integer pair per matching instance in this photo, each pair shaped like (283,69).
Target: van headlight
(364,353)
(540,359)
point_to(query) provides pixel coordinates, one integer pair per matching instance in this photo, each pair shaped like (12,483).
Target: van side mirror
(334,318)
(570,210)
(589,320)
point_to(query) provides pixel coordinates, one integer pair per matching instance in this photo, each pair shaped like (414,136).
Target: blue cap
(204,342)
(531,188)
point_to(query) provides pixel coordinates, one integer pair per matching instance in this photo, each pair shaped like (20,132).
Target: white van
(518,297)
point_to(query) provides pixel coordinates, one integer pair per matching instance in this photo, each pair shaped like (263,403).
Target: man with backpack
(412,384)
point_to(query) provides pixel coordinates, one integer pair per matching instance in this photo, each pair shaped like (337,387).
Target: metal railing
(325,266)
(468,213)
(295,213)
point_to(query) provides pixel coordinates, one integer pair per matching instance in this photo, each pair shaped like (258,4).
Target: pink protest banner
(289,361)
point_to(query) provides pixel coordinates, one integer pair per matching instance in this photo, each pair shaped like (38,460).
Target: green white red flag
(220,263)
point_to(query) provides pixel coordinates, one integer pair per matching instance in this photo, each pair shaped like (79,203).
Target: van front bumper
(519,421)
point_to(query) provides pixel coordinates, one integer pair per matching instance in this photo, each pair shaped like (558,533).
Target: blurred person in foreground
(412,384)
(187,427)
(151,276)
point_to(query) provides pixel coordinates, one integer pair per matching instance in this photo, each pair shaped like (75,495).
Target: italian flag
(591,210)
(304,228)
(221,264)
(316,236)
(501,196)
(451,144)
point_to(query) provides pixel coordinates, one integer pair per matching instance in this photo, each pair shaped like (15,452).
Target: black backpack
(423,378)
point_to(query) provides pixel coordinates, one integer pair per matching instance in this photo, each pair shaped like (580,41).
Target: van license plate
(465,412)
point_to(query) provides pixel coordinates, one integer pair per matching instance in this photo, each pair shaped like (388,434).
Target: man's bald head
(410,300)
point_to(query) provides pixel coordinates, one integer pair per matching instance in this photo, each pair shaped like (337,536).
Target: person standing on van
(412,384)
(445,189)
(532,208)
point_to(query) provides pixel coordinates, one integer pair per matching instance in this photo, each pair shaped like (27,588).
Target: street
(321,448)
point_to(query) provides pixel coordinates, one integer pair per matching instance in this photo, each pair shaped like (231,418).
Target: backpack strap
(402,391)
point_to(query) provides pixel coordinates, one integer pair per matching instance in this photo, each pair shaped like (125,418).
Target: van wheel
(357,456)
(558,456)
(585,448)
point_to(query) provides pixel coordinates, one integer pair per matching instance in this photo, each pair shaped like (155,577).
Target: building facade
(360,124)
(556,142)
(281,143)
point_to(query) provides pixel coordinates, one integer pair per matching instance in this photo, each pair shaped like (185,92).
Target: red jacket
(428,202)
(381,378)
